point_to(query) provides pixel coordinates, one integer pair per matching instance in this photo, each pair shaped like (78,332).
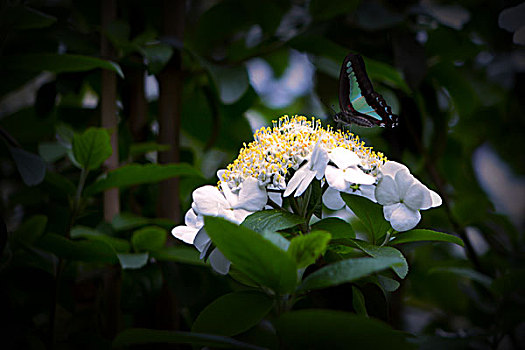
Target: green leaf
(358,301)
(149,238)
(135,174)
(24,17)
(388,284)
(120,245)
(136,336)
(327,329)
(232,82)
(345,271)
(338,228)
(307,248)
(255,256)
(465,272)
(137,149)
(92,148)
(126,221)
(182,254)
(88,251)
(60,183)
(31,230)
(133,260)
(157,56)
(271,220)
(380,71)
(277,239)
(51,151)
(31,167)
(57,63)
(323,9)
(425,235)
(370,214)
(233,313)
(384,252)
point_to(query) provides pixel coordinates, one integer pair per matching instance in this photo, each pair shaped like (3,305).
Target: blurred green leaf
(388,284)
(136,336)
(31,167)
(183,254)
(51,151)
(138,149)
(370,214)
(327,329)
(425,235)
(358,301)
(57,63)
(149,238)
(349,270)
(271,220)
(232,82)
(133,260)
(60,183)
(307,248)
(323,9)
(30,230)
(233,313)
(277,239)
(464,272)
(92,148)
(88,251)
(157,56)
(24,18)
(258,258)
(135,174)
(120,245)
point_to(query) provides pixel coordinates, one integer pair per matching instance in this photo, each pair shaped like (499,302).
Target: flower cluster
(285,159)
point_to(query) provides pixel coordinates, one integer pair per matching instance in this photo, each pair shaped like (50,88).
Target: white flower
(234,207)
(403,196)
(187,233)
(347,172)
(314,167)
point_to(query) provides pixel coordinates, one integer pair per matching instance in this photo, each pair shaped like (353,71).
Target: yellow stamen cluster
(291,140)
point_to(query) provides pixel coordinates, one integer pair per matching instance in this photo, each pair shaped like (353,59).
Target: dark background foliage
(453,71)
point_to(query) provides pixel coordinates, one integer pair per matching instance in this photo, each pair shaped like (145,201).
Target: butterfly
(358,101)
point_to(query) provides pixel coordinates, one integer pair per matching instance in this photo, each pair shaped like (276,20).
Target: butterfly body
(358,101)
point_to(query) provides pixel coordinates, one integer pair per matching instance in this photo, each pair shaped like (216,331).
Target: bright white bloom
(403,196)
(314,167)
(346,172)
(210,201)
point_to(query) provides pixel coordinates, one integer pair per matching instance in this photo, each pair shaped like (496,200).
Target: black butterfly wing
(358,101)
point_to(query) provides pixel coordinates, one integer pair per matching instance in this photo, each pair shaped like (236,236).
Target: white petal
(185,233)
(296,179)
(391,168)
(240,215)
(193,220)
(332,199)
(389,209)
(367,191)
(404,218)
(436,199)
(319,161)
(417,197)
(335,178)
(220,172)
(404,180)
(304,183)
(208,200)
(231,197)
(386,191)
(219,262)
(276,197)
(202,241)
(343,157)
(252,196)
(357,176)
